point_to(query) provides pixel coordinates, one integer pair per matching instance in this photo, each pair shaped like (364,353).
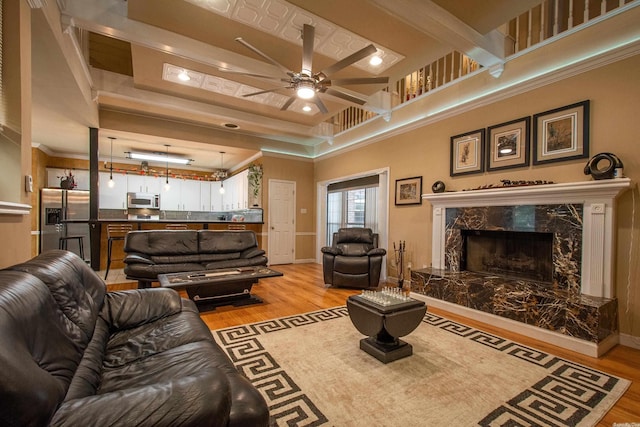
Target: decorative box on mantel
(535,259)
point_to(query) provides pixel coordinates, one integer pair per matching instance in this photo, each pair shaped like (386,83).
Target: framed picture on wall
(508,144)
(409,191)
(561,134)
(467,153)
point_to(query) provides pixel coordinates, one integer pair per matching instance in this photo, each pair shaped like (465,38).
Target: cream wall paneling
(112,198)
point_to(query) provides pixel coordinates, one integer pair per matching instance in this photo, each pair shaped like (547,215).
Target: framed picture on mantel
(561,134)
(467,153)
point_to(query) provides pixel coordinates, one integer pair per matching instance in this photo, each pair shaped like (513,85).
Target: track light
(159,157)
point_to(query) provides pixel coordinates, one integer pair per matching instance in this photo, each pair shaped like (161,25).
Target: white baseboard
(564,341)
(630,341)
(305,261)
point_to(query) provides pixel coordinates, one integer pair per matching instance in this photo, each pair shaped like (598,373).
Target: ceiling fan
(307,84)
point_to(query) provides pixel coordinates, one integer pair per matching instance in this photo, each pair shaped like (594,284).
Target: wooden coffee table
(385,318)
(212,288)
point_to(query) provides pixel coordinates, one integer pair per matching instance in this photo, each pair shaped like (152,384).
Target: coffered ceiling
(121,73)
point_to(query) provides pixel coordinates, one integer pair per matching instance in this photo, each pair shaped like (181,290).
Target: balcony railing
(549,19)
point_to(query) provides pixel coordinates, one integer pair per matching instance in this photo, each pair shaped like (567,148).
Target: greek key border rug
(311,371)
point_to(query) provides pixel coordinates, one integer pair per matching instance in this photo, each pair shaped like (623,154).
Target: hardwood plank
(302,289)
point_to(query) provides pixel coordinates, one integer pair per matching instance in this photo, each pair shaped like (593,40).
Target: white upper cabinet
(190,195)
(144,184)
(170,199)
(112,198)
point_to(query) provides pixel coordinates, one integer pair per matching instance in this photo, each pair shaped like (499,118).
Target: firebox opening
(522,255)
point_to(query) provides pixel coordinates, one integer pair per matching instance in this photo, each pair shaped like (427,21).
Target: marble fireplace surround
(578,310)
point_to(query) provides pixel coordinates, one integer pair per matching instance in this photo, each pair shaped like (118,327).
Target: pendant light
(167,187)
(111,184)
(222,167)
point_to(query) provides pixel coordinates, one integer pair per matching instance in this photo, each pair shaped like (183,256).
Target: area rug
(311,371)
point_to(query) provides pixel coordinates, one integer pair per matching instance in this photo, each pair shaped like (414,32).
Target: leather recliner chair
(354,259)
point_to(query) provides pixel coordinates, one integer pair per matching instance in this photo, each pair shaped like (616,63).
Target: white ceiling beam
(431,19)
(108,17)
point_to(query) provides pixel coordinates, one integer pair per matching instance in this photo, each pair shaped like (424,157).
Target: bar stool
(115,232)
(62,243)
(176,227)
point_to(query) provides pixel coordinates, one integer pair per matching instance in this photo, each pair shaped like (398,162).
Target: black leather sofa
(72,354)
(153,252)
(354,259)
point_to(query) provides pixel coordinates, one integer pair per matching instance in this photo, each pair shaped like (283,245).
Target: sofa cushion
(214,241)
(166,242)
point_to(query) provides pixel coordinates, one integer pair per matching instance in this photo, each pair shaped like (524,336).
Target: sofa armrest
(138,258)
(202,400)
(377,251)
(251,253)
(331,250)
(128,309)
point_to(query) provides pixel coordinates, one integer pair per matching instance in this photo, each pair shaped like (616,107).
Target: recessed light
(231,126)
(184,76)
(306,108)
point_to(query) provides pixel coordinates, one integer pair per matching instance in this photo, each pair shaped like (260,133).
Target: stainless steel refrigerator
(57,207)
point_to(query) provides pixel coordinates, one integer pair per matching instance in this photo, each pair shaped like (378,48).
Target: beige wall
(16,229)
(614,91)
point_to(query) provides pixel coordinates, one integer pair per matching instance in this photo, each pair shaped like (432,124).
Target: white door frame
(295,223)
(383,212)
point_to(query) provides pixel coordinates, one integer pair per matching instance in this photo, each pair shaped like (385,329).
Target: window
(352,204)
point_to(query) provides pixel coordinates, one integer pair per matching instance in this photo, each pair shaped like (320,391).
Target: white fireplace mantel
(598,239)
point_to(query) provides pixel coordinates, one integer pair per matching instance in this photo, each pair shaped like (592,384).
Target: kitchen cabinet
(190,195)
(112,198)
(144,184)
(170,199)
(205,196)
(236,194)
(183,195)
(216,198)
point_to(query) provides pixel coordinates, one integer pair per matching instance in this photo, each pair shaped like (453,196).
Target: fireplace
(515,254)
(541,256)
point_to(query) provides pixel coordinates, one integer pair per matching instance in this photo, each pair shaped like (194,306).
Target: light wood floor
(302,289)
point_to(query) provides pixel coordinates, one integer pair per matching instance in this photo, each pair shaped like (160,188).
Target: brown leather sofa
(354,259)
(153,252)
(73,354)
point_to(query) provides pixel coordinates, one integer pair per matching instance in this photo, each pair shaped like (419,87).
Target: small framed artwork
(561,134)
(508,144)
(467,153)
(409,191)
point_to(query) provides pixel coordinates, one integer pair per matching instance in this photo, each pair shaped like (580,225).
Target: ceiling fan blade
(351,59)
(265,91)
(264,55)
(323,108)
(345,96)
(308,35)
(356,81)
(288,103)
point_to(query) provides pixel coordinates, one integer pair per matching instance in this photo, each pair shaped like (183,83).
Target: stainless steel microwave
(143,200)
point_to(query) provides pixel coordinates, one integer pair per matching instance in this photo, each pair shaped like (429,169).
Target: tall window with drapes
(352,203)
